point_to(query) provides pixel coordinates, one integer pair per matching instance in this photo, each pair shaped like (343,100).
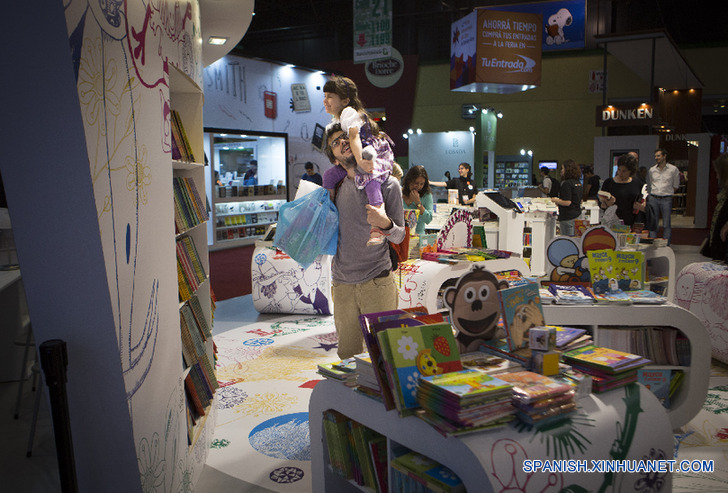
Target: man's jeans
(661,206)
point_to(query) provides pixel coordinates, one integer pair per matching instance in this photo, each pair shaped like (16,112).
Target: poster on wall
(563,22)
(299,99)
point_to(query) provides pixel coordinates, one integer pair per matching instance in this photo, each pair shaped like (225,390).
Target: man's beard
(348,162)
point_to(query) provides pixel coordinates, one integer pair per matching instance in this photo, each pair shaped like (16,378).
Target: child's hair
(345,88)
(412,174)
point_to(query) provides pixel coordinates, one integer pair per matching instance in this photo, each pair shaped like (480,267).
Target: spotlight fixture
(419,131)
(405,136)
(410,131)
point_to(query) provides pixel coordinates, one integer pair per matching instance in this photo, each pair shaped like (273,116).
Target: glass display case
(248,184)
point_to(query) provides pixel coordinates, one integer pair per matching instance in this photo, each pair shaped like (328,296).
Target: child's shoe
(376,237)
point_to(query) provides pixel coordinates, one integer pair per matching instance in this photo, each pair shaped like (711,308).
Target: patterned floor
(266,372)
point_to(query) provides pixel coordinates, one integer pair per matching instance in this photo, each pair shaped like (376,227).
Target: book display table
(623,424)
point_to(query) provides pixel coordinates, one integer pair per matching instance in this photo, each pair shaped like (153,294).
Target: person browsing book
(624,190)
(464,184)
(416,195)
(362,280)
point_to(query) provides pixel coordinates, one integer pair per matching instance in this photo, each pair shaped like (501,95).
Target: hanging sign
(372,30)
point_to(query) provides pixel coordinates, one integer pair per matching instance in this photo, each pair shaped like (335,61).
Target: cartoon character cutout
(568,257)
(555,27)
(475,308)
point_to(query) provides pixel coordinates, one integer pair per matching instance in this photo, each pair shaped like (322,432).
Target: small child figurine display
(371,147)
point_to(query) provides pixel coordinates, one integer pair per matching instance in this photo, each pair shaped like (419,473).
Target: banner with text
(494,51)
(372,30)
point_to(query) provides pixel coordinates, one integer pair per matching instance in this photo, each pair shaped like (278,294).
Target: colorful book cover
(411,352)
(606,359)
(645,296)
(529,386)
(658,382)
(616,269)
(521,309)
(566,335)
(569,294)
(366,321)
(466,383)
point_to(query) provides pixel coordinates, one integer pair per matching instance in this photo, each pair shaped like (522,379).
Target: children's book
(521,309)
(529,386)
(609,297)
(609,361)
(571,294)
(412,352)
(367,321)
(646,297)
(488,363)
(616,269)
(464,384)
(657,381)
(566,335)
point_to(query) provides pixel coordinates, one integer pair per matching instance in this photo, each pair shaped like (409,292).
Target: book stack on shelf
(200,381)
(343,371)
(181,148)
(608,368)
(414,472)
(189,208)
(190,272)
(571,294)
(366,378)
(356,452)
(568,338)
(538,399)
(661,345)
(464,401)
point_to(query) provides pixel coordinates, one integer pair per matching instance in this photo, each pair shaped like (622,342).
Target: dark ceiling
(310,32)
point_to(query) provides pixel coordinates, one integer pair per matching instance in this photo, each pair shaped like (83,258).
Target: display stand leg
(54,360)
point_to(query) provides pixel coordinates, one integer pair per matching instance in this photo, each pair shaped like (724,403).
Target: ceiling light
(216,40)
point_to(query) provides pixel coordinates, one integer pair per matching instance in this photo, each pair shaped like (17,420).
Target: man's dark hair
(330,129)
(308,165)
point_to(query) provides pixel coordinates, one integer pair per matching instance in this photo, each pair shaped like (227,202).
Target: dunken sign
(614,116)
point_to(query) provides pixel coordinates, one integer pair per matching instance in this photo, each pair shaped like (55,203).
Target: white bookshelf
(187,99)
(689,398)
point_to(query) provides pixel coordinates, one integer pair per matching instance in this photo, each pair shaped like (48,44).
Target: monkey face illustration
(474,305)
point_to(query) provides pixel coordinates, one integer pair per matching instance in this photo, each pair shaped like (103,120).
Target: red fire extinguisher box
(269,98)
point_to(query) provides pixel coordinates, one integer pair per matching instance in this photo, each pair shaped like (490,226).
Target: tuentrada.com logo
(525,64)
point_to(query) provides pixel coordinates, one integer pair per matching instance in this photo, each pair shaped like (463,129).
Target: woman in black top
(464,184)
(625,190)
(569,199)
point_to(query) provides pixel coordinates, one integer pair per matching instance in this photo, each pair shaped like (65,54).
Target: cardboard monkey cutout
(475,308)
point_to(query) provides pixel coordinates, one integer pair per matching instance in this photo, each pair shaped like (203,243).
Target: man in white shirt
(663,180)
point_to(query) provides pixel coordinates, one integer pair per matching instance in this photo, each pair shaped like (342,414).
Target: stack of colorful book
(343,371)
(571,294)
(464,401)
(538,399)
(568,338)
(409,353)
(488,363)
(366,378)
(608,368)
